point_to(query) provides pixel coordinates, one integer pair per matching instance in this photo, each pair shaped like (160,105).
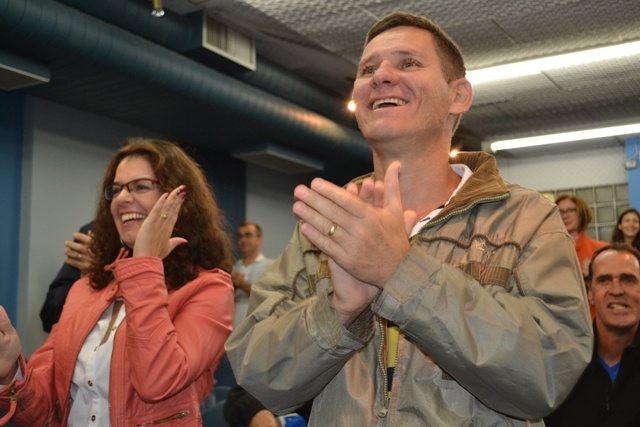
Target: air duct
(184,34)
(80,34)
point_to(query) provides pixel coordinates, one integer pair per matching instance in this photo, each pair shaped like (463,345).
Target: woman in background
(141,335)
(627,229)
(576,216)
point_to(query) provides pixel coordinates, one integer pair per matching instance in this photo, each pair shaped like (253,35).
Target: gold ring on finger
(332,230)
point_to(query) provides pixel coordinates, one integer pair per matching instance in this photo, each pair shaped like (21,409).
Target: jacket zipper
(177,416)
(14,398)
(381,360)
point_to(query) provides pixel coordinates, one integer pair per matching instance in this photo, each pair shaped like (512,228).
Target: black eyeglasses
(137,186)
(567,211)
(246,235)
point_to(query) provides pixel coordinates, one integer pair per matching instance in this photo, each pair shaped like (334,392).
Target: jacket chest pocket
(489,264)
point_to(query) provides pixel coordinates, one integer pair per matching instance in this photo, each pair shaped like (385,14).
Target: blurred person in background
(627,229)
(576,216)
(249,267)
(75,266)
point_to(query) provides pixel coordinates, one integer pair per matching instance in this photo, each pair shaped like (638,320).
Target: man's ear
(589,292)
(462,96)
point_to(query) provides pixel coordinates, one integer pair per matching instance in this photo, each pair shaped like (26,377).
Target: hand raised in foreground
(10,349)
(369,239)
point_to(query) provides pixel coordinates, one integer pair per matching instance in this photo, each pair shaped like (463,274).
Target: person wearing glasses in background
(142,332)
(248,268)
(240,408)
(576,216)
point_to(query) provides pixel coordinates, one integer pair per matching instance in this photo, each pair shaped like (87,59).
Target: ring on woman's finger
(163,216)
(332,230)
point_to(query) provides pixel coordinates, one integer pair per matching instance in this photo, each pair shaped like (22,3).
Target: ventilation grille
(228,42)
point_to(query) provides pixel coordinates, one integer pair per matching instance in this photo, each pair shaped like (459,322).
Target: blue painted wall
(632,145)
(11,137)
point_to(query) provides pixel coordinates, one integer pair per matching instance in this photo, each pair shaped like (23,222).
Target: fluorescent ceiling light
(536,66)
(510,144)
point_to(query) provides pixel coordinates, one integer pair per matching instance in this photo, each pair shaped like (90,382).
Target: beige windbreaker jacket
(490,301)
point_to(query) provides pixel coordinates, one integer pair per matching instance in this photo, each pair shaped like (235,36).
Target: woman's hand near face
(154,238)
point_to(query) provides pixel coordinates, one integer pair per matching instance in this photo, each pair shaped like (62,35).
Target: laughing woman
(141,334)
(627,229)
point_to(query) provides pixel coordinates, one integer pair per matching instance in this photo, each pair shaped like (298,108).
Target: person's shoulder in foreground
(427,293)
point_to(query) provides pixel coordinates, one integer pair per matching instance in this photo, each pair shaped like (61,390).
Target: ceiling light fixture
(534,141)
(157,11)
(536,66)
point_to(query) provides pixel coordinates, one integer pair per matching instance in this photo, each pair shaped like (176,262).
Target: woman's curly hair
(200,221)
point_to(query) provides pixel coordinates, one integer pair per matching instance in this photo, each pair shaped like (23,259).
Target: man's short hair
(258,228)
(617,247)
(447,49)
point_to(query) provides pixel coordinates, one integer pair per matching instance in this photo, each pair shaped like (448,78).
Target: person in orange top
(576,216)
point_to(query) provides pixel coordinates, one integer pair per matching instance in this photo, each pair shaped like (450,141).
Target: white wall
(269,202)
(585,168)
(65,153)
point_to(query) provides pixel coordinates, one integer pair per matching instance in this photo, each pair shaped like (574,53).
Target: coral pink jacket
(164,354)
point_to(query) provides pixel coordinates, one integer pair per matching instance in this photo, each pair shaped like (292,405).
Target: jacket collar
(635,344)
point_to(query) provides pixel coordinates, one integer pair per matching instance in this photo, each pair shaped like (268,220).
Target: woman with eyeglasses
(140,335)
(576,216)
(627,229)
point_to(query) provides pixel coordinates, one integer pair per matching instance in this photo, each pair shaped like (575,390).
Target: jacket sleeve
(518,348)
(169,350)
(291,329)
